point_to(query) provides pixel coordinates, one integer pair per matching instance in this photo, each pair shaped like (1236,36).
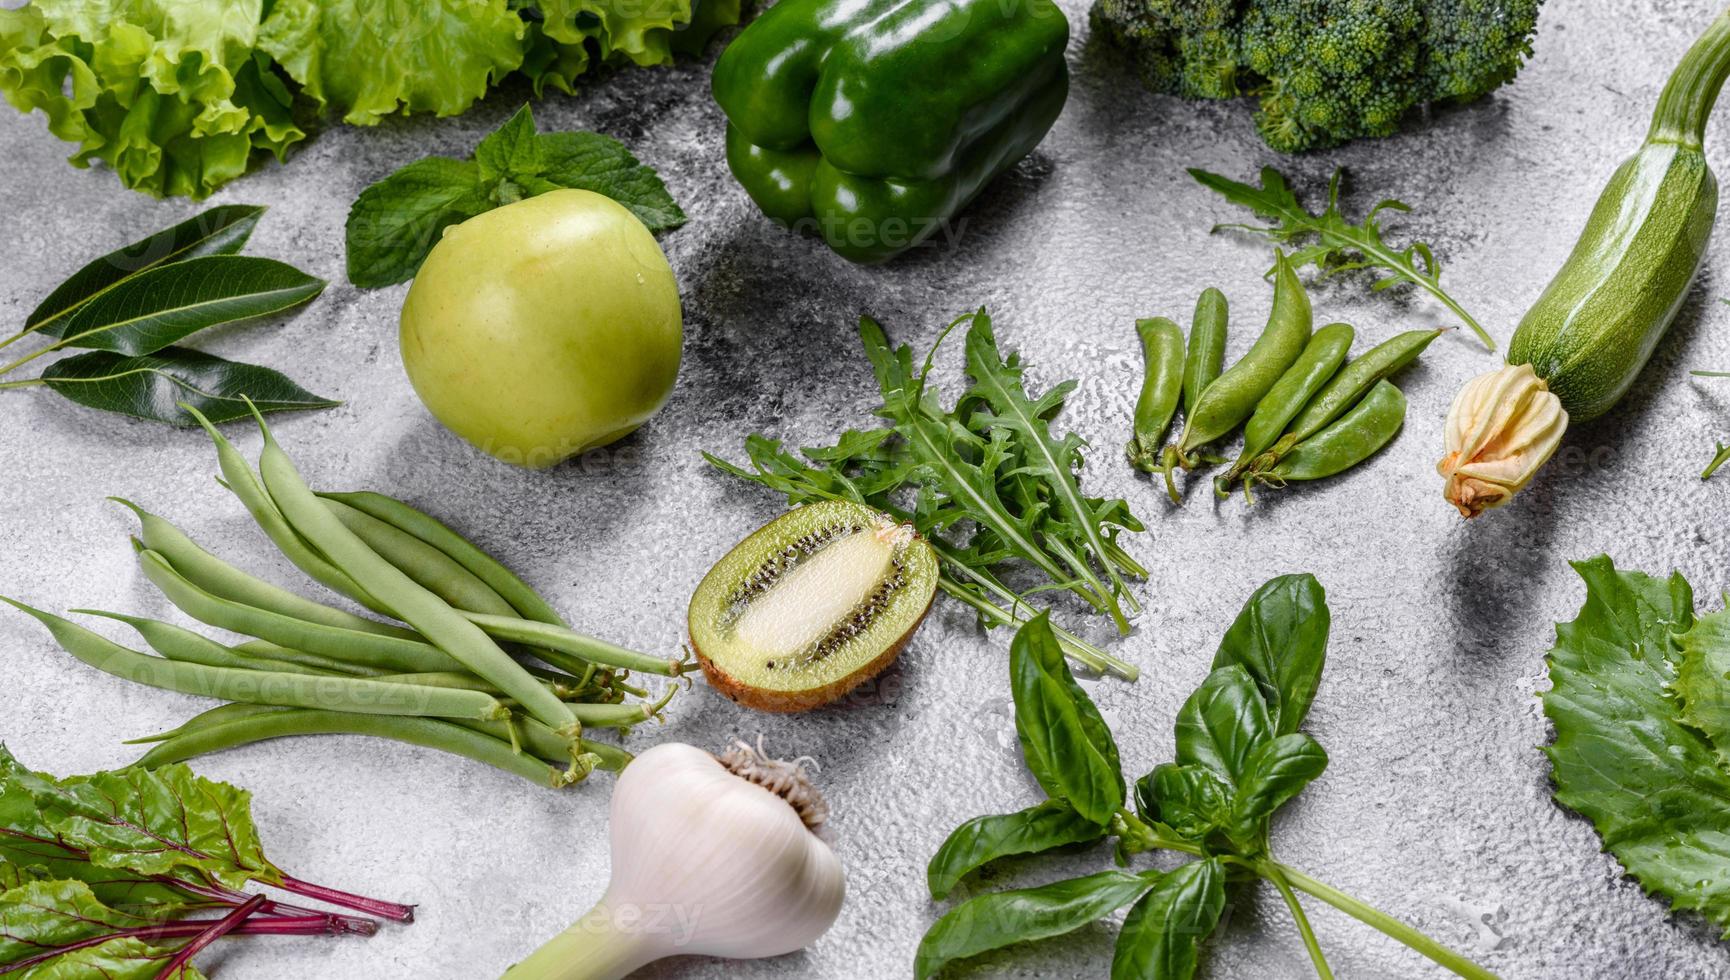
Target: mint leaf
(512,150)
(396,222)
(1651,785)
(592,162)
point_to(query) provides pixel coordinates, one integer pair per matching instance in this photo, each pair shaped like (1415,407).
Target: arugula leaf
(1162,935)
(997,383)
(993,921)
(982,840)
(1339,245)
(1222,723)
(1281,639)
(1066,743)
(163,305)
(1652,786)
(154,386)
(218,231)
(394,223)
(1193,800)
(1274,773)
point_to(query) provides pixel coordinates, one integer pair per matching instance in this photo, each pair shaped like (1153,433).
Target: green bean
(431,616)
(176,643)
(544,743)
(223,580)
(1350,386)
(1206,347)
(1351,439)
(219,715)
(561,684)
(559,639)
(1162,350)
(445,736)
(240,481)
(259,686)
(434,570)
(1232,396)
(502,580)
(352,645)
(1321,359)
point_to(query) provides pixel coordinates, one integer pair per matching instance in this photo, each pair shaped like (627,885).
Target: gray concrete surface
(1436,806)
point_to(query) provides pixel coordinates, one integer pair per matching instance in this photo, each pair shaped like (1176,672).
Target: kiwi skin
(787,702)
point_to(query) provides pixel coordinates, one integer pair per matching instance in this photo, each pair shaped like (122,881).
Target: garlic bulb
(1503,427)
(716,857)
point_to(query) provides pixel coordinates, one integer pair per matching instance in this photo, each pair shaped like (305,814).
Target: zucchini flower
(1504,425)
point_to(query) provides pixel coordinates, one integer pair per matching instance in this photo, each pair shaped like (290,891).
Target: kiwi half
(811,605)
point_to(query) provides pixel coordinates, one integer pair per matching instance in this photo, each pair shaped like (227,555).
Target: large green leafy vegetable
(178,96)
(1636,688)
(1239,759)
(109,874)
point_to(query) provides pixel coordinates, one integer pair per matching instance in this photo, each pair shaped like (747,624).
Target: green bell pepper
(872,122)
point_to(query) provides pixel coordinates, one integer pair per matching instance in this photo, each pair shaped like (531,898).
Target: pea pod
(1162,349)
(1349,387)
(1353,438)
(1206,354)
(1231,398)
(1318,363)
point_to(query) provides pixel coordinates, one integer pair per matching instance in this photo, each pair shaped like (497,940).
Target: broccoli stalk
(1326,71)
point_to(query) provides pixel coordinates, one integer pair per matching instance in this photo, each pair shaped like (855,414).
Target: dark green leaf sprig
(1334,244)
(131,308)
(396,222)
(1240,757)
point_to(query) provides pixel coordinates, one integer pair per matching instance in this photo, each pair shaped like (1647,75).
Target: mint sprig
(396,222)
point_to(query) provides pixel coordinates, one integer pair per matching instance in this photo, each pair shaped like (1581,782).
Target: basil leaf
(982,840)
(152,386)
(512,150)
(1222,723)
(218,231)
(1162,935)
(592,162)
(997,920)
(159,307)
(1651,785)
(1281,638)
(1066,743)
(1274,773)
(396,222)
(1193,801)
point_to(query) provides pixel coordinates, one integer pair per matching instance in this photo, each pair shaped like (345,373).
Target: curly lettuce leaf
(567,38)
(1623,757)
(172,96)
(369,60)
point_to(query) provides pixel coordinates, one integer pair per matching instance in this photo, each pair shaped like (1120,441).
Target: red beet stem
(360,903)
(216,930)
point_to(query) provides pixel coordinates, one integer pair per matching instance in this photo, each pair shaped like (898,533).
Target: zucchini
(1597,323)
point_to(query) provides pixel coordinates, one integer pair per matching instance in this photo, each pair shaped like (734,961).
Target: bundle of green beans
(475,663)
(1306,413)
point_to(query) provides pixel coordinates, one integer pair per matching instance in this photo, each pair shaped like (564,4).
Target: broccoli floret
(1326,71)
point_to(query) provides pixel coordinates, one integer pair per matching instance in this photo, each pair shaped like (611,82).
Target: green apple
(544,328)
